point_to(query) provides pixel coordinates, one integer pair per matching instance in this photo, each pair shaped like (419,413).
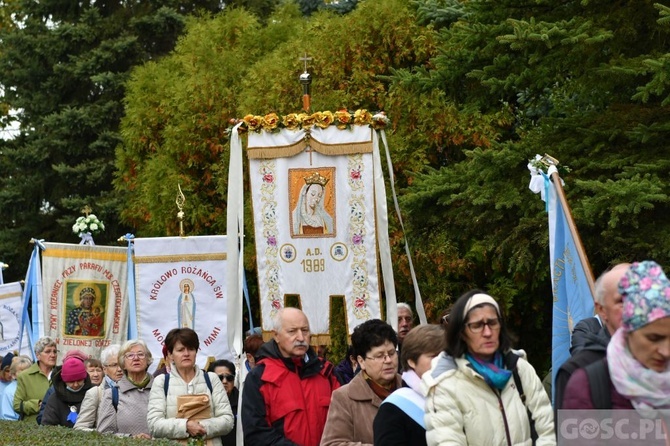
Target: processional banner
(84,298)
(11,315)
(180,282)
(313,195)
(573,299)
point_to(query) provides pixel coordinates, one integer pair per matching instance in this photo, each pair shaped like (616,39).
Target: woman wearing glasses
(225,370)
(479,401)
(353,407)
(123,409)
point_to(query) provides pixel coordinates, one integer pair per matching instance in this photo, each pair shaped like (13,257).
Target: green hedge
(28,433)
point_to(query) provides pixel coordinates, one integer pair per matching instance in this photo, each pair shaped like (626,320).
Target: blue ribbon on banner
(132,300)
(31,292)
(245,290)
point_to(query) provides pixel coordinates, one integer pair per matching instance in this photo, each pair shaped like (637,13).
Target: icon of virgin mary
(309,215)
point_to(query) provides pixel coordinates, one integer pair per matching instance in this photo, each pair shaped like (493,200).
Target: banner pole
(575,234)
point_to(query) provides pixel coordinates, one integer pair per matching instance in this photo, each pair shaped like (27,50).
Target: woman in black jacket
(70,384)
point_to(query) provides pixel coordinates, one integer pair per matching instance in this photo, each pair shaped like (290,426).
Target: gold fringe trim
(300,146)
(180,258)
(81,255)
(276,152)
(341,149)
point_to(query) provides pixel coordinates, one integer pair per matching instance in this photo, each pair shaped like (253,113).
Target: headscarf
(646,298)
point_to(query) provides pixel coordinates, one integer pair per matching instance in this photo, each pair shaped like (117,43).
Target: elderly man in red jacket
(287,395)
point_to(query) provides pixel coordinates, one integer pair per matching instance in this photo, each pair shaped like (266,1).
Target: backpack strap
(115,398)
(511,359)
(599,382)
(209,383)
(166,384)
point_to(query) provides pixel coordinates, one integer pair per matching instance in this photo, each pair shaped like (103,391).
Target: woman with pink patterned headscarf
(638,355)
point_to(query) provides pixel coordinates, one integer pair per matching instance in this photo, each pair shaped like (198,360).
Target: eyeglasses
(227,377)
(111,366)
(135,355)
(476,327)
(381,357)
(51,352)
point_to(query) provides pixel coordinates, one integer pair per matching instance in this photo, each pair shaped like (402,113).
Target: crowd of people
(458,382)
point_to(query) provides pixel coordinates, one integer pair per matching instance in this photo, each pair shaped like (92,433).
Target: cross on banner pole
(306,81)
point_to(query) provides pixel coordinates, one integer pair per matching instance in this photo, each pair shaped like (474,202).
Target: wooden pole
(575,234)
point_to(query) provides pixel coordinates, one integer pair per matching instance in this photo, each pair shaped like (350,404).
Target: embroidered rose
(276,304)
(268,178)
(272,240)
(357,239)
(359,302)
(355,174)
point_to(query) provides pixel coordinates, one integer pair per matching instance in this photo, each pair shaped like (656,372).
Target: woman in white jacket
(185,378)
(479,402)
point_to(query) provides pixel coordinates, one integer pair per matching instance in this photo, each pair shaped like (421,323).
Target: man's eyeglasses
(476,327)
(135,355)
(227,377)
(381,357)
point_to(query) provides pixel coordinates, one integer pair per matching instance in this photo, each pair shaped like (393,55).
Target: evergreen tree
(583,81)
(63,70)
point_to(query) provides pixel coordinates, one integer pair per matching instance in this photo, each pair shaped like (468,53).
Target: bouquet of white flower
(89,224)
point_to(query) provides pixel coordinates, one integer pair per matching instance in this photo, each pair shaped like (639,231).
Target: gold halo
(186,282)
(77,299)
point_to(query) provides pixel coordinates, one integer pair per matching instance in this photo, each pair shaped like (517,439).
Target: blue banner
(573,300)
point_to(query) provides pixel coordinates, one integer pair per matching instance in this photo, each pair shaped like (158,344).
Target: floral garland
(541,164)
(88,224)
(342,119)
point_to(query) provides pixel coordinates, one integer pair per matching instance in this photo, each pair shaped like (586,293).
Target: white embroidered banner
(181,282)
(314,220)
(11,310)
(84,296)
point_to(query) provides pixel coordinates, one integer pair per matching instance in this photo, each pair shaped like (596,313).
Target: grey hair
(277,319)
(599,288)
(43,343)
(109,352)
(406,307)
(125,348)
(20,363)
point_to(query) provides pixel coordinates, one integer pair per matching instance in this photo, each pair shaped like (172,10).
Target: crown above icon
(316,178)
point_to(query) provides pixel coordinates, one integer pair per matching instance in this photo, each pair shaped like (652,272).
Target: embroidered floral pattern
(269,215)
(356,235)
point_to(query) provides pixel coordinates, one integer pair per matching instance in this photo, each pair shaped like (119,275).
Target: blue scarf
(493,372)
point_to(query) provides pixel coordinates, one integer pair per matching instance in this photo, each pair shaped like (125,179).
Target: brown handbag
(194,407)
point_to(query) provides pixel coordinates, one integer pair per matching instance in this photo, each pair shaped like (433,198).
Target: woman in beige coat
(478,402)
(353,407)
